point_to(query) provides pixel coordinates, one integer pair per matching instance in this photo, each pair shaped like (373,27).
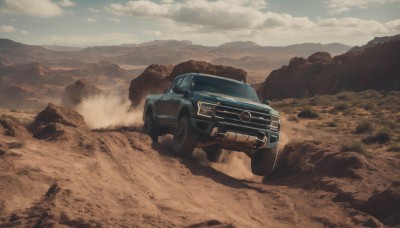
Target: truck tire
(263,161)
(150,127)
(215,154)
(185,139)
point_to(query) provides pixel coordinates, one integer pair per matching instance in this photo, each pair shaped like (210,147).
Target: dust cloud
(110,111)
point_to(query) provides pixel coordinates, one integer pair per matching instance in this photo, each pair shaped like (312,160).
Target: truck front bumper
(232,135)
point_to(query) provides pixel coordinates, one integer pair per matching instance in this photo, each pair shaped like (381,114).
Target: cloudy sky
(205,22)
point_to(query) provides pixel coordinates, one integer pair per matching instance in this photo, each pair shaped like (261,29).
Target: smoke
(110,111)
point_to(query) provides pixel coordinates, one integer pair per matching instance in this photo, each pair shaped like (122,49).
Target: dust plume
(109,111)
(236,164)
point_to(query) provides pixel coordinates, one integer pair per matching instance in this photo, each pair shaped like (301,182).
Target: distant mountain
(250,56)
(375,66)
(61,48)
(377,40)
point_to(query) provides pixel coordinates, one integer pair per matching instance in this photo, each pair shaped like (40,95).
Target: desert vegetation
(367,121)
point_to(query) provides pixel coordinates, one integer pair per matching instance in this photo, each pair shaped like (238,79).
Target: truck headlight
(205,109)
(275,123)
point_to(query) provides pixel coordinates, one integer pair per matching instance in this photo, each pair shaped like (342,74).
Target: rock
(54,120)
(192,66)
(75,93)
(157,78)
(373,67)
(319,57)
(12,128)
(152,80)
(296,61)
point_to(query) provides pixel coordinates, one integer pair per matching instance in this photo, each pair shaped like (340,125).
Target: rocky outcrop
(157,78)
(75,93)
(54,121)
(374,67)
(152,80)
(192,66)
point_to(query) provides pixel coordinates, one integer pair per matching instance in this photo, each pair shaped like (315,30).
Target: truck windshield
(226,87)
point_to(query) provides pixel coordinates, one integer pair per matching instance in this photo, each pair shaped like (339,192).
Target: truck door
(165,109)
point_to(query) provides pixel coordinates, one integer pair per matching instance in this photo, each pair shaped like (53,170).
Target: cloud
(91,20)
(7,28)
(91,40)
(113,19)
(67,3)
(339,6)
(33,8)
(152,33)
(23,32)
(220,14)
(93,10)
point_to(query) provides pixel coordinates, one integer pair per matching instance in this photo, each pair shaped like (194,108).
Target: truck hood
(232,101)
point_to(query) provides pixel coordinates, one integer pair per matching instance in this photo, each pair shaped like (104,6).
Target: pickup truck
(216,114)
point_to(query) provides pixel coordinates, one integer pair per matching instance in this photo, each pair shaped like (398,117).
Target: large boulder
(157,78)
(152,80)
(373,67)
(77,92)
(192,66)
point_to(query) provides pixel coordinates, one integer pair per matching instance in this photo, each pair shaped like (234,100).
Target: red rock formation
(157,78)
(374,67)
(152,80)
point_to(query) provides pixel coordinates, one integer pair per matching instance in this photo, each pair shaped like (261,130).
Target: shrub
(369,106)
(356,146)
(382,135)
(308,112)
(363,127)
(345,96)
(341,106)
(331,124)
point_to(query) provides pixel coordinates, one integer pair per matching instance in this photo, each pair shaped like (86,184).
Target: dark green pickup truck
(216,114)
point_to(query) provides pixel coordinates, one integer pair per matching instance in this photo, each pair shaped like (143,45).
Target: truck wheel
(263,161)
(185,139)
(150,127)
(215,154)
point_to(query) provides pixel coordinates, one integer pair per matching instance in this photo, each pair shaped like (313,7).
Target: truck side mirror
(266,101)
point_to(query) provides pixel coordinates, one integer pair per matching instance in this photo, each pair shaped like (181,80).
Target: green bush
(364,126)
(356,146)
(308,112)
(345,96)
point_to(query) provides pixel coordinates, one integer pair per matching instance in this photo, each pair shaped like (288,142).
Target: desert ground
(71,175)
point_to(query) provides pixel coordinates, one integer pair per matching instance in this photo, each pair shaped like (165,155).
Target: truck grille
(260,119)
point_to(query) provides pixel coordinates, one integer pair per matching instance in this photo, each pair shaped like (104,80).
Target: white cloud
(7,28)
(91,20)
(153,33)
(34,8)
(23,32)
(91,40)
(167,1)
(67,3)
(339,6)
(114,19)
(220,14)
(93,10)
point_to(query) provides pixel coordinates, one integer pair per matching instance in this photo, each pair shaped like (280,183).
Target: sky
(84,23)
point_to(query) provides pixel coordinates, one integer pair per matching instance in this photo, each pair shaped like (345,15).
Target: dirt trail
(131,181)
